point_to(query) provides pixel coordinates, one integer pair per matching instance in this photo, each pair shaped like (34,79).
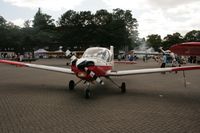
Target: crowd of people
(165,58)
(17,57)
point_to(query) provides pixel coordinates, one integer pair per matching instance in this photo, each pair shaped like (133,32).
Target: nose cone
(82,63)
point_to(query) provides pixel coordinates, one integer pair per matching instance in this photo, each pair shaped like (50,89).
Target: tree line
(72,30)
(79,30)
(156,41)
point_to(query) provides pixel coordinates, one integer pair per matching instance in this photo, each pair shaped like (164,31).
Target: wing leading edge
(109,73)
(43,67)
(151,70)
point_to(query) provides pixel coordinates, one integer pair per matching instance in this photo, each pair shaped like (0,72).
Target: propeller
(84,67)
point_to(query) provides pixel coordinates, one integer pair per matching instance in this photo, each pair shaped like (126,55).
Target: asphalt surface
(38,101)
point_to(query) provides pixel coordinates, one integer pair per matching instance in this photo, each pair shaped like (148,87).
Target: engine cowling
(82,65)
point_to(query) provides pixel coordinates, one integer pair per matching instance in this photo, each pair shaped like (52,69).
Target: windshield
(100,53)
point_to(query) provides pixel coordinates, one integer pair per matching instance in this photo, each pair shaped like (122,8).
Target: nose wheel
(88,92)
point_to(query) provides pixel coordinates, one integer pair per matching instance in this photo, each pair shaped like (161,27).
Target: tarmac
(38,101)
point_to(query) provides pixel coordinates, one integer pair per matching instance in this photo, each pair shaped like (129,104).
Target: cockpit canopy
(97,52)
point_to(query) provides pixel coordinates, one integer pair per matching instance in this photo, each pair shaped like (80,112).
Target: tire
(87,93)
(71,84)
(123,87)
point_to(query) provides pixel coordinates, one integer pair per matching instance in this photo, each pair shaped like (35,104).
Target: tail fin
(112,51)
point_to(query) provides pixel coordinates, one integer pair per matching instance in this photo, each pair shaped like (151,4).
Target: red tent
(187,48)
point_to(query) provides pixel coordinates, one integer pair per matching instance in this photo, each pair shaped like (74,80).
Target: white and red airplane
(95,63)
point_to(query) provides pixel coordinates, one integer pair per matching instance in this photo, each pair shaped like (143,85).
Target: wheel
(87,93)
(71,84)
(123,87)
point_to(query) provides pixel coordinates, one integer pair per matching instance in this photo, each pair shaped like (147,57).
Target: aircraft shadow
(100,92)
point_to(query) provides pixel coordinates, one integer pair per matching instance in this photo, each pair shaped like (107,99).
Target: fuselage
(95,62)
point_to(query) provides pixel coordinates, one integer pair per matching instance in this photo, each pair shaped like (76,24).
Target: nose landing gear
(87,91)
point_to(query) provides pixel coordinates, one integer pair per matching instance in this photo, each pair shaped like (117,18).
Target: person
(168,57)
(130,57)
(173,58)
(21,58)
(164,61)
(119,57)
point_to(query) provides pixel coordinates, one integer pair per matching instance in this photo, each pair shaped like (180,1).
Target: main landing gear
(71,85)
(122,87)
(88,92)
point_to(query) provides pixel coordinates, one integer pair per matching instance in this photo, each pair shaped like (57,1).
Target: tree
(170,40)
(154,41)
(44,32)
(83,29)
(3,32)
(10,35)
(27,24)
(193,35)
(2,21)
(86,18)
(102,17)
(102,21)
(99,29)
(43,21)
(126,20)
(68,19)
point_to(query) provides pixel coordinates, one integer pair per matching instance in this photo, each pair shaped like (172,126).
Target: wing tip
(19,64)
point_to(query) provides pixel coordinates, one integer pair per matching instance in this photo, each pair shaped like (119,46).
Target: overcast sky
(154,16)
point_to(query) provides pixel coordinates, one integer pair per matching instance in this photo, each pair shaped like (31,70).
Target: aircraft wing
(37,66)
(151,70)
